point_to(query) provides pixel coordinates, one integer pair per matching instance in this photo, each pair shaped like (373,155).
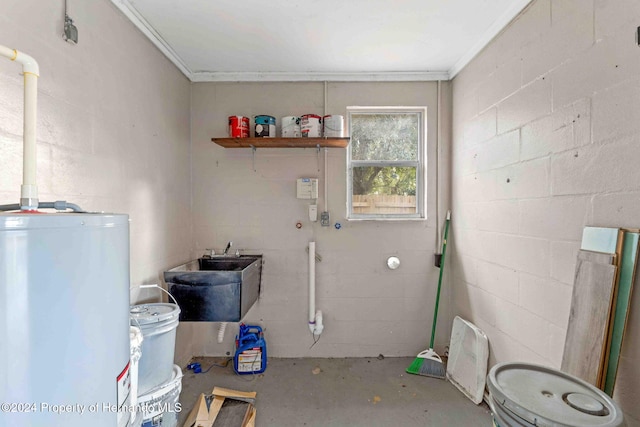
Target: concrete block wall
(113,125)
(546,124)
(368,309)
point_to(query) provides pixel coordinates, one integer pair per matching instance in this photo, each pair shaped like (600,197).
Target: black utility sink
(225,263)
(218,289)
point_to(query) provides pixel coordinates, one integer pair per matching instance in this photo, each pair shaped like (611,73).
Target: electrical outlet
(324,219)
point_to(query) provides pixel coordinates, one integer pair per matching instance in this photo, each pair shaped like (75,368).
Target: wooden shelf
(281,142)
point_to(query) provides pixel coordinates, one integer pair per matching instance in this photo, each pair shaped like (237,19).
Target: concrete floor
(351,392)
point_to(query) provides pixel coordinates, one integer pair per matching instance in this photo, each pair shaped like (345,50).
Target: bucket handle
(248,338)
(155,285)
(165,385)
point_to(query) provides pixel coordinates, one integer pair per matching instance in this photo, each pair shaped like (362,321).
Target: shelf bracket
(318,155)
(253,157)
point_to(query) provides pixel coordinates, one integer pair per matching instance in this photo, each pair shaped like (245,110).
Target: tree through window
(386,162)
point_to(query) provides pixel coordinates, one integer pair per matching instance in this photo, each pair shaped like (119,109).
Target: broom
(427,362)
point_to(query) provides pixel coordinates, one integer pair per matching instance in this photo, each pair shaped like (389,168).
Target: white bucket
(333,126)
(525,395)
(290,127)
(158,323)
(135,339)
(310,126)
(160,406)
(137,421)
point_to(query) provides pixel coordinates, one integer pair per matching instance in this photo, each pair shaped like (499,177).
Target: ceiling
(332,40)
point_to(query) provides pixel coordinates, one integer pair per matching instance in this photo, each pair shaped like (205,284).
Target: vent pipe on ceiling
(30,70)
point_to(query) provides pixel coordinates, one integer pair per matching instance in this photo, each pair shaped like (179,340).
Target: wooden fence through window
(383,204)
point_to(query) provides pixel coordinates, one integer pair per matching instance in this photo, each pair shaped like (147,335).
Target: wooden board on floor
(233,413)
(627,277)
(587,331)
(231,408)
(227,408)
(199,415)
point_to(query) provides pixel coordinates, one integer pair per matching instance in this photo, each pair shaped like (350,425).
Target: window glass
(384,136)
(386,162)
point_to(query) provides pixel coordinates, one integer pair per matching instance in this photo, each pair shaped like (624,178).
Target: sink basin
(225,263)
(218,289)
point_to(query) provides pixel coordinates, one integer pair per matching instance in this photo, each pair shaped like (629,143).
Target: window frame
(420,164)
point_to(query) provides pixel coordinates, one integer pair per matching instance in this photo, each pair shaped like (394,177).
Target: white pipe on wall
(31,71)
(326,151)
(29,190)
(312,286)
(319,326)
(315,317)
(326,180)
(8,53)
(438,138)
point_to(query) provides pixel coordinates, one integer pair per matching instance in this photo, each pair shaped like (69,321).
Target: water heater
(64,319)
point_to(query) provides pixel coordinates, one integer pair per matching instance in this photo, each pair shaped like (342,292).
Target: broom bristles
(428,364)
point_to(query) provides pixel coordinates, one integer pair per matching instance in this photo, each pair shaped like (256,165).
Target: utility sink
(225,263)
(217,289)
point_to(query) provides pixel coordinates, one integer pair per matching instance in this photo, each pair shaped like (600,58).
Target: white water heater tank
(64,320)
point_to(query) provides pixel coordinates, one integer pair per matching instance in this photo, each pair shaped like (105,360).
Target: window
(386,162)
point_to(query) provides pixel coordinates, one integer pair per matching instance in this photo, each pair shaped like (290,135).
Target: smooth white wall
(546,125)
(368,309)
(113,125)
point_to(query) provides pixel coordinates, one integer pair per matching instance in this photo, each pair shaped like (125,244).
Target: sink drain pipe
(315,317)
(223,327)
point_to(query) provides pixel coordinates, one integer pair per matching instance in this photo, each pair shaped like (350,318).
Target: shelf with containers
(329,142)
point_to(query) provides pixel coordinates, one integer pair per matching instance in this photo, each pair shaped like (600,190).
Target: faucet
(227,248)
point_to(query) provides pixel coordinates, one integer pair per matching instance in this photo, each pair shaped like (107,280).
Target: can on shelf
(333,126)
(310,126)
(290,127)
(265,127)
(238,127)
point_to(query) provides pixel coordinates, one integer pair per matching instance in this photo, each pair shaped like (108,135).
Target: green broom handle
(444,250)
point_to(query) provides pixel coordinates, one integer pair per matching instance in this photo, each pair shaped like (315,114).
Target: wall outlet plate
(324,219)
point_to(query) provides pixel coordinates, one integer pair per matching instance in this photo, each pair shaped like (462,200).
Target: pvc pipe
(29,190)
(31,71)
(319,326)
(59,205)
(8,53)
(326,180)
(223,327)
(29,64)
(324,108)
(312,286)
(326,150)
(315,317)
(438,138)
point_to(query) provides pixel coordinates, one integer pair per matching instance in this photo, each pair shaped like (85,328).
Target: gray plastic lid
(547,397)
(146,314)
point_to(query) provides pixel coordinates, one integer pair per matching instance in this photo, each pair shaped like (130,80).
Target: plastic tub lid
(146,314)
(159,392)
(547,397)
